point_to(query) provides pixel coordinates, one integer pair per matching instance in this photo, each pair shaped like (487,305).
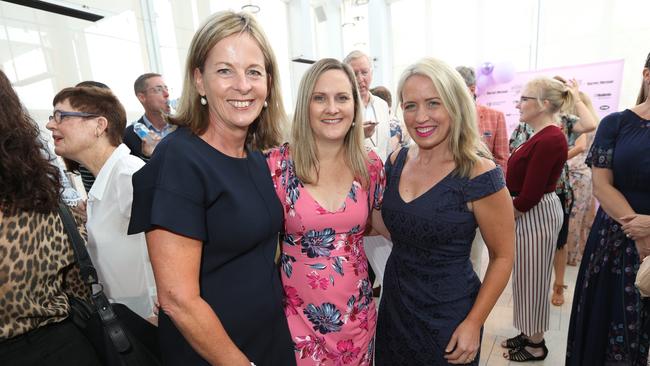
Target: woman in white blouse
(87,126)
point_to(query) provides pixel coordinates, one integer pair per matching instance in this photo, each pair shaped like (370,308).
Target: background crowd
(243,238)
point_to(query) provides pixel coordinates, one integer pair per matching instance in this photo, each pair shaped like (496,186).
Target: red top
(534,168)
(492,127)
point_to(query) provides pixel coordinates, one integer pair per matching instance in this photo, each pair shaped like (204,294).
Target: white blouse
(121,260)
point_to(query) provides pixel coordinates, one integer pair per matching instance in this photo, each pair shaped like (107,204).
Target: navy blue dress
(609,319)
(429,286)
(229,204)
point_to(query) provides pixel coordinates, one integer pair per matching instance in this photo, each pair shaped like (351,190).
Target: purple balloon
(486,68)
(483,82)
(503,72)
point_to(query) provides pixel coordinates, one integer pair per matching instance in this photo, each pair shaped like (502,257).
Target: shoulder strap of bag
(86,268)
(89,275)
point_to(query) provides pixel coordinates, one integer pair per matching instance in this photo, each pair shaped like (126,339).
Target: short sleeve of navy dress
(191,189)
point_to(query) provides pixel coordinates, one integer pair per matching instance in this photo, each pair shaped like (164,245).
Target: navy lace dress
(609,319)
(429,286)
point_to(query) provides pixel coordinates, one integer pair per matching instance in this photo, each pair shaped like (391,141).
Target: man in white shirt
(376,117)
(376,128)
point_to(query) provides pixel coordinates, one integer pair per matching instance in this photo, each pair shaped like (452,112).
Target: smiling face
(331,107)
(74,136)
(426,118)
(234,82)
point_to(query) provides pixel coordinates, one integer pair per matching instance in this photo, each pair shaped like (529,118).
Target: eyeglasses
(524,98)
(363,73)
(159,89)
(58,115)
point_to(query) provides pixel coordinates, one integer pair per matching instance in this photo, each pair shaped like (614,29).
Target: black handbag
(120,336)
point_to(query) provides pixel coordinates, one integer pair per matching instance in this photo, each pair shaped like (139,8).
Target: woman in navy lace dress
(433,305)
(609,319)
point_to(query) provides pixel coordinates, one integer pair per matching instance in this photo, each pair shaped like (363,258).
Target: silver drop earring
(203,100)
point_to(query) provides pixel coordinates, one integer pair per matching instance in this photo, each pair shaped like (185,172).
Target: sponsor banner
(600,81)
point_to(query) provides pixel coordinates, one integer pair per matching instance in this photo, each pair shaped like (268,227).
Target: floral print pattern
(328,296)
(610,320)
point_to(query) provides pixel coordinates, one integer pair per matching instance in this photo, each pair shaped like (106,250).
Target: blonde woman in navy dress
(433,305)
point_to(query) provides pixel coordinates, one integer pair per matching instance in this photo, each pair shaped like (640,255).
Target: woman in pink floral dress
(328,184)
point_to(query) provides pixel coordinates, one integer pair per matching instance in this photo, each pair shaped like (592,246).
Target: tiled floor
(499,326)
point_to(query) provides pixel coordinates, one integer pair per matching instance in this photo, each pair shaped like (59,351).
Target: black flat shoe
(515,342)
(522,355)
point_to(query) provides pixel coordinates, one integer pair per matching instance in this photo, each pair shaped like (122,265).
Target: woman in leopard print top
(37,264)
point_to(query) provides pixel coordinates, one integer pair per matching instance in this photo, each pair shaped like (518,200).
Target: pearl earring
(266,104)
(353,124)
(203,100)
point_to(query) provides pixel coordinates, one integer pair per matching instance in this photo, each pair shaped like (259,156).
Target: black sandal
(522,355)
(516,342)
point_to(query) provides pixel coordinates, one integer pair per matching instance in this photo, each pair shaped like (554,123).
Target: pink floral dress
(328,297)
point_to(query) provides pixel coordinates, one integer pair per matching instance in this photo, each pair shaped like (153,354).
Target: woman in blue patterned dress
(609,320)
(433,305)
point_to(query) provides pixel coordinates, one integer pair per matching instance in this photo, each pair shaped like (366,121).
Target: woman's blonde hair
(644,90)
(554,91)
(303,144)
(264,132)
(465,143)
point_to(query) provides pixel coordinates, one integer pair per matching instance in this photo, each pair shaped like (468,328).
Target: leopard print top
(37,271)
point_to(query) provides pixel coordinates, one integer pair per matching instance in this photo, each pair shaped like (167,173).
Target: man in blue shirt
(153,94)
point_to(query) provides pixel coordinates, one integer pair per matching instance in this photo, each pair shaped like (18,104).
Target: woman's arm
(579,147)
(377,223)
(610,198)
(616,205)
(494,214)
(176,265)
(587,121)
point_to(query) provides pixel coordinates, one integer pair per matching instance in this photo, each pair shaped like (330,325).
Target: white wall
(43,53)
(532,34)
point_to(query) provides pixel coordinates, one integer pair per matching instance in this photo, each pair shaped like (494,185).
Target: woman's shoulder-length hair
(265,131)
(465,143)
(303,144)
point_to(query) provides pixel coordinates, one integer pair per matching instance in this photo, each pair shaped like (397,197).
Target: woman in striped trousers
(533,171)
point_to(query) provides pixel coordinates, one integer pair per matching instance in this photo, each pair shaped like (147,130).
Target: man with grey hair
(376,125)
(492,128)
(491,123)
